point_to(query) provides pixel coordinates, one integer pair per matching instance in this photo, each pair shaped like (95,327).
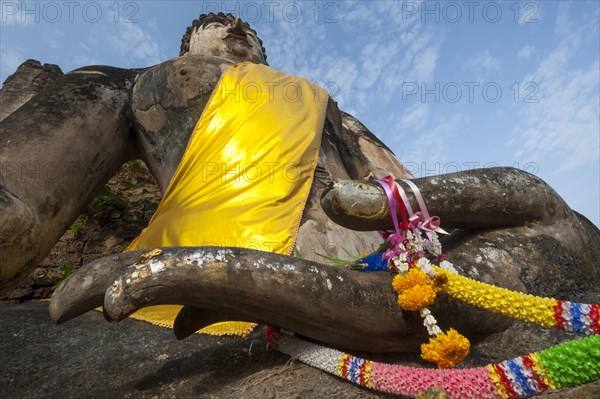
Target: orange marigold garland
(417,297)
(407,252)
(417,291)
(446,349)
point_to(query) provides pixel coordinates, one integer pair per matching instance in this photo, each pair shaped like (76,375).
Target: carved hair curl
(206,19)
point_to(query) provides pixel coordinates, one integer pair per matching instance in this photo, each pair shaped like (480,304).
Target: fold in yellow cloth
(246,174)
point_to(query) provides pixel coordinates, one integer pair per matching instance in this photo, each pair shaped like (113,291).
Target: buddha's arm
(56,153)
(477,199)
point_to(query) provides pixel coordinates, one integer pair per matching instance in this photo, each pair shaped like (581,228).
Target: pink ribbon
(416,220)
(421,219)
(392,204)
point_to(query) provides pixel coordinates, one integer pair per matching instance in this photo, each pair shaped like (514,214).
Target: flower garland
(569,316)
(575,317)
(412,256)
(407,252)
(413,252)
(410,252)
(569,364)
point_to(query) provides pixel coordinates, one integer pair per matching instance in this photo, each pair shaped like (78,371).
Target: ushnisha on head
(223,35)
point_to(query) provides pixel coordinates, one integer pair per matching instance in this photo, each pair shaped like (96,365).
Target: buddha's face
(231,41)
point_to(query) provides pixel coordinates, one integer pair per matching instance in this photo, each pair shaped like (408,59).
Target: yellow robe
(246,174)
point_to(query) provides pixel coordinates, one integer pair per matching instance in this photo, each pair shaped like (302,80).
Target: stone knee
(18,245)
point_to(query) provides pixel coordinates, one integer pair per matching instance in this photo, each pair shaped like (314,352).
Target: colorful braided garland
(581,318)
(409,252)
(566,365)
(575,317)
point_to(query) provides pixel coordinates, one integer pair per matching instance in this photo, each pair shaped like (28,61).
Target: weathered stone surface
(521,235)
(133,183)
(39,138)
(93,247)
(112,242)
(30,78)
(89,358)
(19,294)
(72,245)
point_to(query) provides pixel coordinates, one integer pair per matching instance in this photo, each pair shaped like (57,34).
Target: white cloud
(84,60)
(430,146)
(134,44)
(381,16)
(374,58)
(377,54)
(12,13)
(411,59)
(357,13)
(565,123)
(483,62)
(525,52)
(424,63)
(530,12)
(414,117)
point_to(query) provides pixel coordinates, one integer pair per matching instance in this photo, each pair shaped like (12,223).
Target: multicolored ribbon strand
(572,363)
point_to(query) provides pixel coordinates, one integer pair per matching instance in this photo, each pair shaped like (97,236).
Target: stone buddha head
(223,35)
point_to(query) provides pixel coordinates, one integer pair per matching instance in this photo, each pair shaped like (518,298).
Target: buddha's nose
(237,28)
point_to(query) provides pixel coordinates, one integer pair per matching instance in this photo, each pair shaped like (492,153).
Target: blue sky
(447,85)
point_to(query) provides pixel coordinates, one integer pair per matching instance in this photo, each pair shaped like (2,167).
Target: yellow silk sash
(246,174)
